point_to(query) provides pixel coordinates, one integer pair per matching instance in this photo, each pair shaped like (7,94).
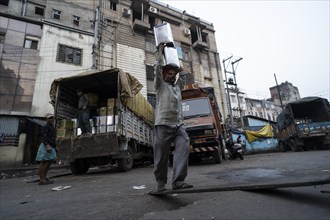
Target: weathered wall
(49,69)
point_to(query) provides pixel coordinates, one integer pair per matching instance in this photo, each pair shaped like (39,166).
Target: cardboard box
(163,34)
(64,133)
(103,111)
(105,128)
(107,120)
(66,124)
(111,102)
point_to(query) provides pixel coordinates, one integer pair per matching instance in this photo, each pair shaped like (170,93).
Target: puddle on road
(248,174)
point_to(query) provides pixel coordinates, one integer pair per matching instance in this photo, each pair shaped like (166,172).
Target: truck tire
(79,166)
(126,164)
(281,146)
(217,155)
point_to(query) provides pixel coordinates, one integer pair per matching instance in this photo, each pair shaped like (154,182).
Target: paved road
(106,194)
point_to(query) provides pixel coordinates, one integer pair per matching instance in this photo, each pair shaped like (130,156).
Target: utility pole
(278,91)
(236,90)
(227,88)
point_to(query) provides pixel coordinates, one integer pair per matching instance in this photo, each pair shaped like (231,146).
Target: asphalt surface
(107,194)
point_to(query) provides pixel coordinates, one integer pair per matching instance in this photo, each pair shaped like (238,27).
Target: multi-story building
(74,36)
(288,93)
(236,106)
(262,108)
(42,40)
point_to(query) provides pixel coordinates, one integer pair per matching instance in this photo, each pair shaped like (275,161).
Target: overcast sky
(288,38)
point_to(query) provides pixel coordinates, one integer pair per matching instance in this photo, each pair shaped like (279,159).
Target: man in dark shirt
(83,114)
(47,150)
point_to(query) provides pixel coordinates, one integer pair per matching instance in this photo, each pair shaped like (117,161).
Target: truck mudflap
(87,146)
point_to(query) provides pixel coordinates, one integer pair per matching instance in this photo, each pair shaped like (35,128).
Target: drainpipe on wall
(96,27)
(23,7)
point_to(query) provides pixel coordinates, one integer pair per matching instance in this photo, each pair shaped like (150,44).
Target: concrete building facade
(262,108)
(288,93)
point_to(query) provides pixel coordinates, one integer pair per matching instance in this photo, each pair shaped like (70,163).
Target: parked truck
(304,124)
(123,132)
(202,119)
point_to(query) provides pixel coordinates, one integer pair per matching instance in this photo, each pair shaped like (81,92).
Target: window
(4,2)
(31,43)
(150,72)
(2,37)
(152,22)
(56,14)
(113,6)
(185,54)
(233,99)
(66,54)
(204,37)
(150,45)
(76,20)
(152,99)
(137,15)
(92,23)
(39,11)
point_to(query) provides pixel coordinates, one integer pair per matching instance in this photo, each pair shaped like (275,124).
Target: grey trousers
(163,137)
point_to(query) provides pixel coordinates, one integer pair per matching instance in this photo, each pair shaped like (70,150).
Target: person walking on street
(47,150)
(169,127)
(83,114)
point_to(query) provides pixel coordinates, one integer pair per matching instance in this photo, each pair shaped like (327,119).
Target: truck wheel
(217,155)
(126,164)
(281,146)
(79,166)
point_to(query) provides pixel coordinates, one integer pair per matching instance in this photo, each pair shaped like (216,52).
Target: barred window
(66,54)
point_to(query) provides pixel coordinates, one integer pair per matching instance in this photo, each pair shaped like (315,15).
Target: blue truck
(304,125)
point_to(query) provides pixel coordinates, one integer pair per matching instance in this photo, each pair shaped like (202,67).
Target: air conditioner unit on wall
(186,32)
(152,9)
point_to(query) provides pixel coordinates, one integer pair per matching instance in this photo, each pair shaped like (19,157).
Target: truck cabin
(197,102)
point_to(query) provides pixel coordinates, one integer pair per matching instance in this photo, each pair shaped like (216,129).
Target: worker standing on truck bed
(83,114)
(169,126)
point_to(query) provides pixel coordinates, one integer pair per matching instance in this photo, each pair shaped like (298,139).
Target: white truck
(120,138)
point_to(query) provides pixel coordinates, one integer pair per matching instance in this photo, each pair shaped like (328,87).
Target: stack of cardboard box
(106,122)
(65,128)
